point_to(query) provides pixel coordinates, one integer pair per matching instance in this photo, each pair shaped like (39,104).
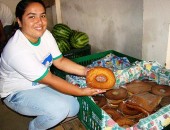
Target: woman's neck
(37,41)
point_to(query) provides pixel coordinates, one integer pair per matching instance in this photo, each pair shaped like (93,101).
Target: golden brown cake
(126,110)
(165,101)
(125,122)
(145,102)
(161,90)
(100,100)
(116,94)
(100,77)
(136,87)
(114,114)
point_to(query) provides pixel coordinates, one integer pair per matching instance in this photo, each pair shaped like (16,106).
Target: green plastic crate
(88,59)
(79,52)
(90,114)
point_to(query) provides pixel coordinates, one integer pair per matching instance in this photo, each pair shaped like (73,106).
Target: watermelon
(61,31)
(79,39)
(63,45)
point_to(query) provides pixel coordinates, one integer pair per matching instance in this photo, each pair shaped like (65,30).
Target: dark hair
(22,5)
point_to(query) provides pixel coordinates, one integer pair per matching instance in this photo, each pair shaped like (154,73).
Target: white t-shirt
(6,15)
(23,64)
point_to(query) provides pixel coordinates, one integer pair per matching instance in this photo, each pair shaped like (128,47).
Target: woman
(26,84)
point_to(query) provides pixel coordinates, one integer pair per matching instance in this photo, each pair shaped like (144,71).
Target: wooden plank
(74,124)
(168,52)
(58,11)
(59,128)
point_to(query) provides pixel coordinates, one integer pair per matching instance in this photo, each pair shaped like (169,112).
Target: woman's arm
(64,86)
(69,66)
(68,88)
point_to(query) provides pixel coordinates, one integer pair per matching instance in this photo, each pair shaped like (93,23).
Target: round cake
(100,100)
(161,90)
(116,94)
(138,86)
(165,101)
(100,77)
(125,122)
(126,110)
(112,112)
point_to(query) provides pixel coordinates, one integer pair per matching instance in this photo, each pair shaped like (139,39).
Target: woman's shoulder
(47,36)
(18,36)
(16,41)
(47,33)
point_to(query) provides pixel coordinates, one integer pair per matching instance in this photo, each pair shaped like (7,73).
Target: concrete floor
(9,120)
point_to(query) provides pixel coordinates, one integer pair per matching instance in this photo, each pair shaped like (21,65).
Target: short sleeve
(28,66)
(52,44)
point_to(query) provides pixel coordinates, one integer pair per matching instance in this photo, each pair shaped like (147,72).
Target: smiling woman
(27,86)
(33,22)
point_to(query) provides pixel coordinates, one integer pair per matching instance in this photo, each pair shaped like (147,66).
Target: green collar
(36,43)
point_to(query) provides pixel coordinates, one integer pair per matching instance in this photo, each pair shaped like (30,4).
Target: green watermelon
(63,45)
(61,31)
(79,39)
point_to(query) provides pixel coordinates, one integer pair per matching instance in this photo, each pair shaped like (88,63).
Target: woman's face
(34,21)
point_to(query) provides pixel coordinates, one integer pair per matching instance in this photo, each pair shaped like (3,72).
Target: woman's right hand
(91,91)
